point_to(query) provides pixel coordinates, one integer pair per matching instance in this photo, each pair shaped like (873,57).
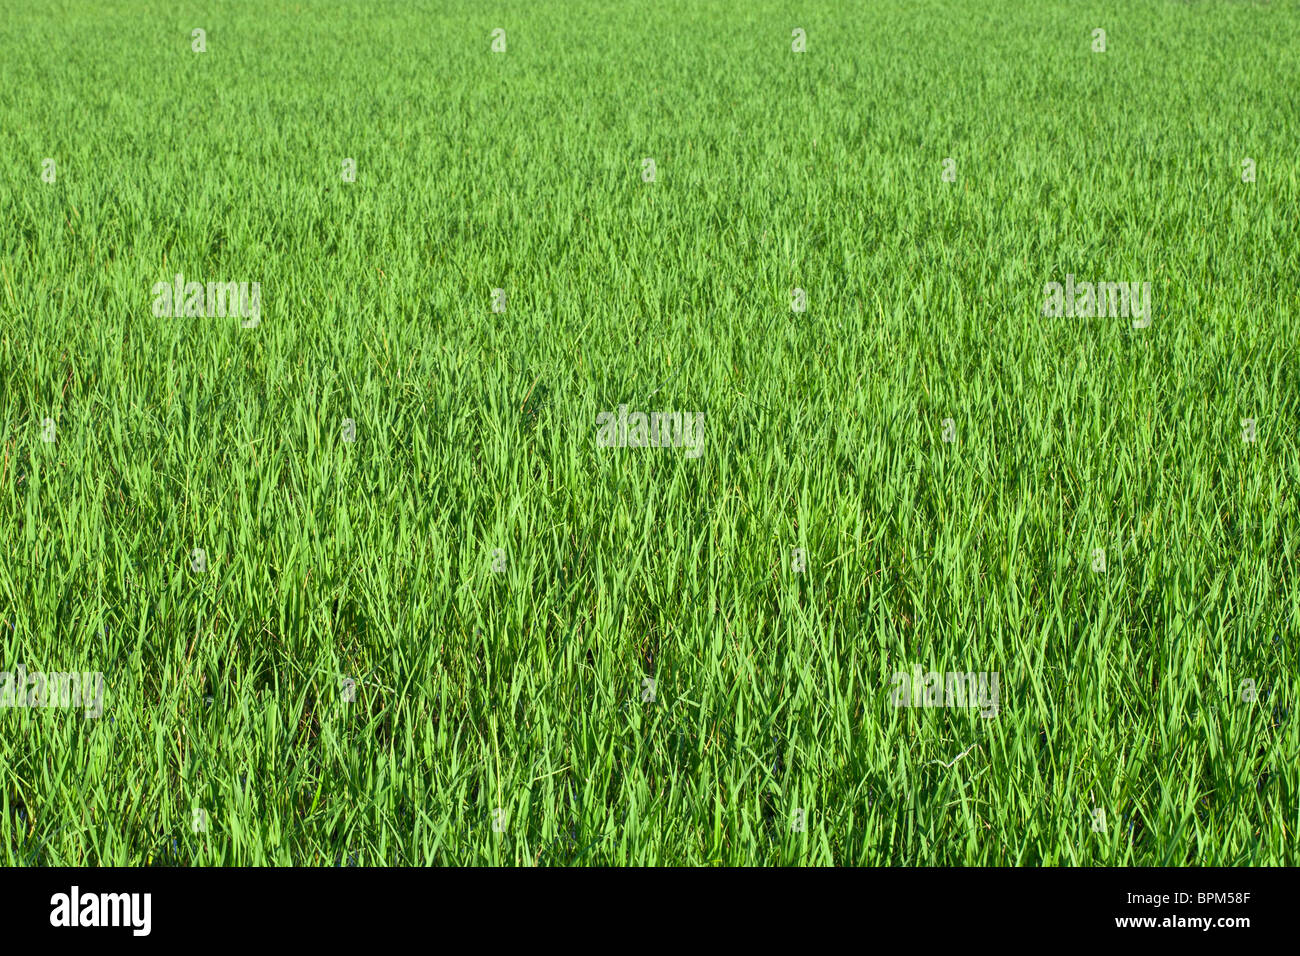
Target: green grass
(475,431)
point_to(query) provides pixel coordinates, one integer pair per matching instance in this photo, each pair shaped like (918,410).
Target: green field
(365,587)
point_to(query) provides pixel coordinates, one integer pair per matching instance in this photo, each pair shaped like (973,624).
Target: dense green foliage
(524,689)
